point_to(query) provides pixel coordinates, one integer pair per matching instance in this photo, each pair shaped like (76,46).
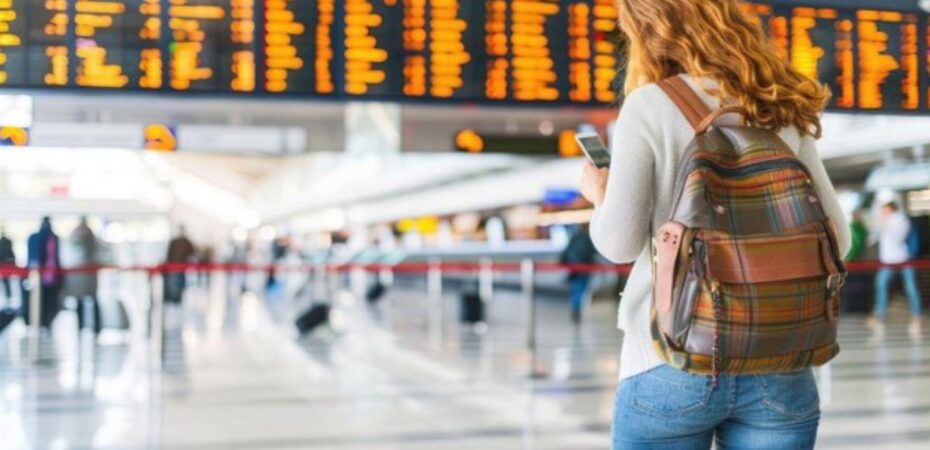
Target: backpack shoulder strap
(690,104)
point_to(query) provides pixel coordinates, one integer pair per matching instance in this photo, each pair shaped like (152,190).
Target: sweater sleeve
(825,191)
(620,228)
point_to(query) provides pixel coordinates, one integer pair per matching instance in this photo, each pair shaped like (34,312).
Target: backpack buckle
(835,282)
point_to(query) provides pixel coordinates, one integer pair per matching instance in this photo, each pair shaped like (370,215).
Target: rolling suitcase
(314,317)
(7,316)
(375,292)
(471,307)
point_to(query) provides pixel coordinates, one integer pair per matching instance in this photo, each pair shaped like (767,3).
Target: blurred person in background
(859,234)
(895,230)
(858,292)
(44,255)
(7,261)
(205,258)
(279,250)
(84,254)
(579,251)
(180,251)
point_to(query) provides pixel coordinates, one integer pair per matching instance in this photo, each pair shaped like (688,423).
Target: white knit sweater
(647,144)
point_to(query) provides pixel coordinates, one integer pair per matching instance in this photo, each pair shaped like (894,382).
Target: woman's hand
(594,183)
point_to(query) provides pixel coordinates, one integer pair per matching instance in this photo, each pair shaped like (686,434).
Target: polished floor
(233,377)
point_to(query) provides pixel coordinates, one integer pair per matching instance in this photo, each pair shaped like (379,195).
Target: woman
(725,57)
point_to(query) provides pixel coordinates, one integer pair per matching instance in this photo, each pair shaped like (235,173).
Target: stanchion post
(319,281)
(334,277)
(157,332)
(35,302)
(386,278)
(528,283)
(434,299)
(35,313)
(218,308)
(486,285)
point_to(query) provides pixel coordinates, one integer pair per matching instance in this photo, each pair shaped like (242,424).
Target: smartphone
(595,149)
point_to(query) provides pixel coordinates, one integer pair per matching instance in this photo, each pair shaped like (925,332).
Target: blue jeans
(578,289)
(666,408)
(910,288)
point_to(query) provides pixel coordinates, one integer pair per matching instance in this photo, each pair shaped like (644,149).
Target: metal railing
(325,280)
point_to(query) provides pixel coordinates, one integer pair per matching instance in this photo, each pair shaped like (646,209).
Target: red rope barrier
(402,268)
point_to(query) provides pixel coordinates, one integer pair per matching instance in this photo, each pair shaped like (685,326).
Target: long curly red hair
(718,40)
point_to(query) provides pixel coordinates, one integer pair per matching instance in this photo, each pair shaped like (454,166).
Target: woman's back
(647,145)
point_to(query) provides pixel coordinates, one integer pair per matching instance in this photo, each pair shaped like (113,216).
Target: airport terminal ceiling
(101,96)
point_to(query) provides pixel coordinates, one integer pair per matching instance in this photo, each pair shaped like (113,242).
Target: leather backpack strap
(690,104)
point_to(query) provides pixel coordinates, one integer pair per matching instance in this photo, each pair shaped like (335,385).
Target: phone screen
(597,152)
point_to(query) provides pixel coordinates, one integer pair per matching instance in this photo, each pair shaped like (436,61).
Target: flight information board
(496,51)
(549,52)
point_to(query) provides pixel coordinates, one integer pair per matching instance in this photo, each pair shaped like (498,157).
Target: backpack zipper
(715,357)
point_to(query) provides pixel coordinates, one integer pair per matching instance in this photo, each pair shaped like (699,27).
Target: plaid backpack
(747,271)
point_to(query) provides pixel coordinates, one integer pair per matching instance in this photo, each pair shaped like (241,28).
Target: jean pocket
(793,395)
(667,392)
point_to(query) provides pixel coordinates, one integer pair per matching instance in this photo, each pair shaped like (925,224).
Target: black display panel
(13,50)
(546,52)
(201,46)
(289,49)
(870,59)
